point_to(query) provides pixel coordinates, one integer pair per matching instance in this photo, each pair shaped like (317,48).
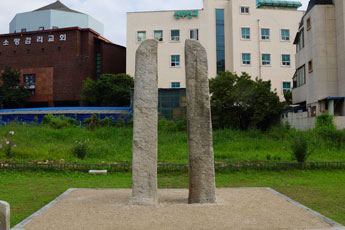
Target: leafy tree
(288,97)
(239,102)
(108,90)
(13,94)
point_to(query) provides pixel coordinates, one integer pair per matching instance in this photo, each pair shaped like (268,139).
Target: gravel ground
(235,209)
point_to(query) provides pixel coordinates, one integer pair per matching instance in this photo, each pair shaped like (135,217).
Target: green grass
(110,145)
(323,191)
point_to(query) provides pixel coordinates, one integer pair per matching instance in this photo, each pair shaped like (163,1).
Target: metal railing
(167,167)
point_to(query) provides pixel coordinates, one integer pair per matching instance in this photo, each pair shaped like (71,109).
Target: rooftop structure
(53,16)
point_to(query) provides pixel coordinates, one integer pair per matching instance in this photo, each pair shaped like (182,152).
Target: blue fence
(80,113)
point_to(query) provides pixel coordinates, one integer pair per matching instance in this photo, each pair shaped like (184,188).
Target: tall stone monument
(200,146)
(144,190)
(4,215)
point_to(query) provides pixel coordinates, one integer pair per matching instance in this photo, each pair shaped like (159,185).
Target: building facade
(253,36)
(54,63)
(320,60)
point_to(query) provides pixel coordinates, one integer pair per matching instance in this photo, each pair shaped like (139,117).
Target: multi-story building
(55,62)
(253,36)
(320,60)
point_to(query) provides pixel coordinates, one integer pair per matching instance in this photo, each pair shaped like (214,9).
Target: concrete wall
(50,18)
(274,19)
(301,121)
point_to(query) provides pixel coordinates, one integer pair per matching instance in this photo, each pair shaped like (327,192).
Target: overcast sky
(112,13)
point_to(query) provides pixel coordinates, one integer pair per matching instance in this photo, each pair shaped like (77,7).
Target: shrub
(80,149)
(172,126)
(58,122)
(93,122)
(326,128)
(300,149)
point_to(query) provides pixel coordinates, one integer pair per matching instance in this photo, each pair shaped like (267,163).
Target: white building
(253,36)
(53,16)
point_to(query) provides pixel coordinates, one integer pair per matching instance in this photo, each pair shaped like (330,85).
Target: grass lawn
(323,191)
(110,145)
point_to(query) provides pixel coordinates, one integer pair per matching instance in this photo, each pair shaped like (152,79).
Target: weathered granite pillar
(4,215)
(144,190)
(201,157)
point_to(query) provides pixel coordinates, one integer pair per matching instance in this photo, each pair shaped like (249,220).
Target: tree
(108,90)
(13,94)
(239,102)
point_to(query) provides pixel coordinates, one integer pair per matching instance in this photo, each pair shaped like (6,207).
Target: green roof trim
(290,4)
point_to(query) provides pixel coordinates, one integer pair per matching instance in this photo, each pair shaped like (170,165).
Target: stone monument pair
(200,147)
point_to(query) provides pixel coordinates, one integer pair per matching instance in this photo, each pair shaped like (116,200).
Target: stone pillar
(4,215)
(201,158)
(144,190)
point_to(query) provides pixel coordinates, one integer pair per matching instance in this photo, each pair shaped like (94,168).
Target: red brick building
(54,63)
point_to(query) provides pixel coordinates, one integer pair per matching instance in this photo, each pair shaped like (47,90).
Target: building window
(41,28)
(55,27)
(244,10)
(194,34)
(285,35)
(308,23)
(299,78)
(220,40)
(300,43)
(175,85)
(245,59)
(310,66)
(265,34)
(245,33)
(23,30)
(286,86)
(286,60)
(29,82)
(141,36)
(175,35)
(266,59)
(175,61)
(158,35)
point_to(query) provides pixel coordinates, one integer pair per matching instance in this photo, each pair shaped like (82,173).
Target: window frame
(197,34)
(162,35)
(265,62)
(283,38)
(245,37)
(246,62)
(179,35)
(310,66)
(141,31)
(244,7)
(287,89)
(308,23)
(265,37)
(175,87)
(287,63)
(173,63)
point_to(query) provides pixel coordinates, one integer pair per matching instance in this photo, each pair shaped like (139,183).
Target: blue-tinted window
(286,86)
(175,85)
(245,33)
(285,35)
(266,59)
(265,34)
(220,40)
(286,60)
(175,60)
(246,59)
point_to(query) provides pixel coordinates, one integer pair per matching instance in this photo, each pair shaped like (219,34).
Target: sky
(112,13)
